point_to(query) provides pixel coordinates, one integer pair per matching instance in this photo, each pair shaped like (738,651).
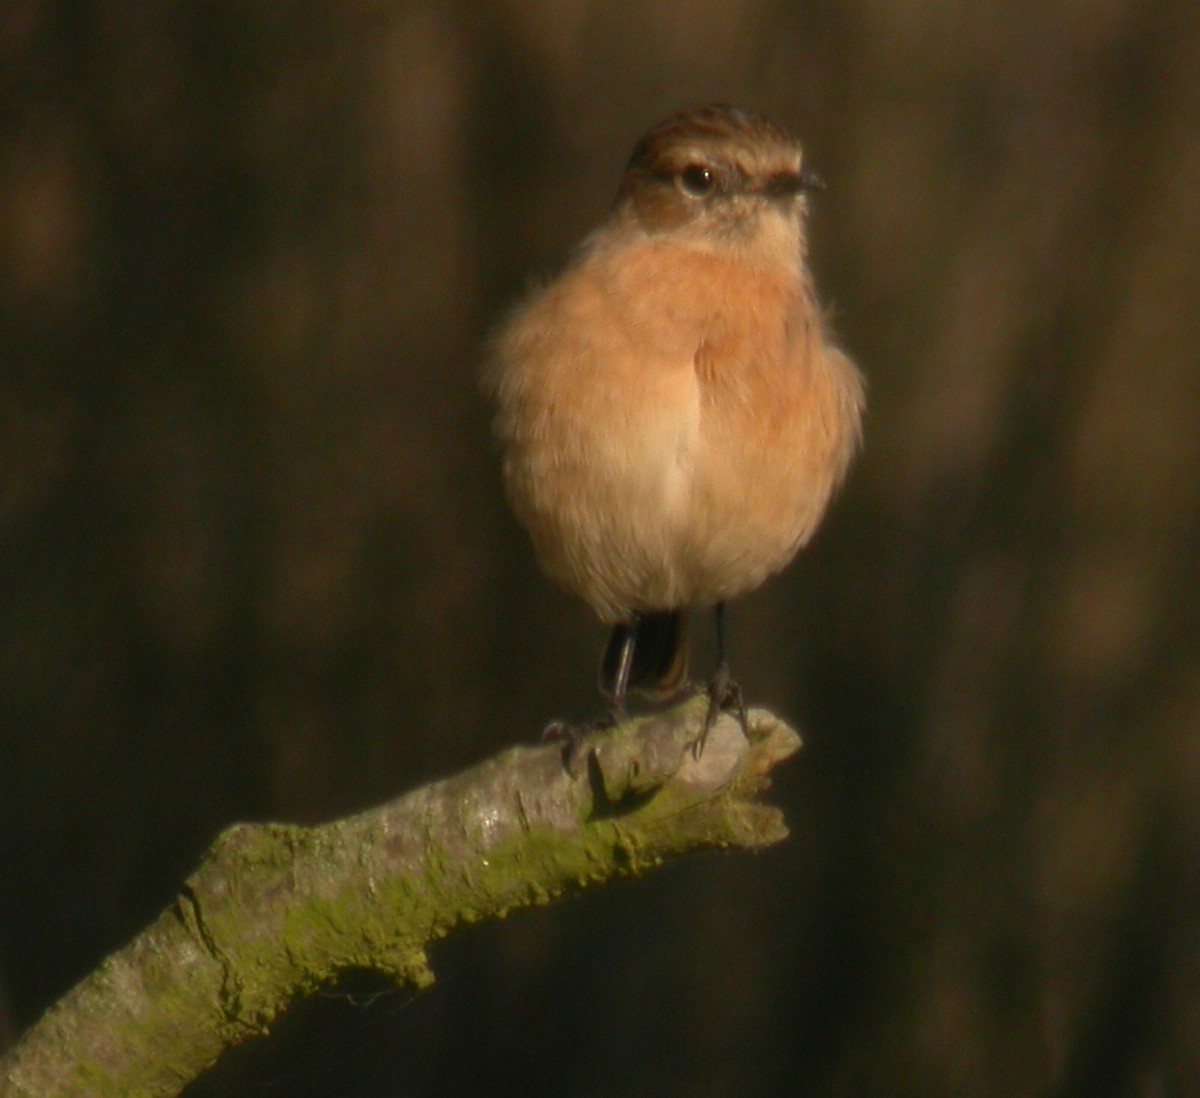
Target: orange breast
(673,425)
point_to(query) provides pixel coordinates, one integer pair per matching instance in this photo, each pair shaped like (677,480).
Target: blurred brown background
(256,564)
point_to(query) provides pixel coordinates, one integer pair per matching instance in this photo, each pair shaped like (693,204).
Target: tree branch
(275,910)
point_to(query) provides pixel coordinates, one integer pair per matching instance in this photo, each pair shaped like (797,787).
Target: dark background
(256,563)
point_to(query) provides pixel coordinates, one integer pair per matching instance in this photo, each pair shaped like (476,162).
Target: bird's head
(720,178)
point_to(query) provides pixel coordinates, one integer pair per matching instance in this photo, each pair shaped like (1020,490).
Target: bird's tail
(660,654)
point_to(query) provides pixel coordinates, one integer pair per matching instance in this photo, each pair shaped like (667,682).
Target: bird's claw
(571,734)
(724,696)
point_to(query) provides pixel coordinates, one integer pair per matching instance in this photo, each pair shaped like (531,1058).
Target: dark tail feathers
(660,654)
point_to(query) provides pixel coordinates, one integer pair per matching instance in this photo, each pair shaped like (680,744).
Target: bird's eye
(697,180)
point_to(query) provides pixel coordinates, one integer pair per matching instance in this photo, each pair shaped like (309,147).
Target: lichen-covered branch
(275,910)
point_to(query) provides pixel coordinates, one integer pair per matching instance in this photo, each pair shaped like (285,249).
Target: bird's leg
(617,712)
(571,735)
(724,695)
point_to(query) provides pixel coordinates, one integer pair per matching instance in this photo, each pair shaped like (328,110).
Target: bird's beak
(810,181)
(790,184)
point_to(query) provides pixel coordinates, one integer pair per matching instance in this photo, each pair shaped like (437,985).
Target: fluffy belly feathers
(687,454)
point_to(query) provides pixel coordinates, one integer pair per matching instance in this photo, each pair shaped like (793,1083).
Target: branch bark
(275,911)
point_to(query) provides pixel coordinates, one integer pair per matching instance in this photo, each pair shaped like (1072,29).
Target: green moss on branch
(275,911)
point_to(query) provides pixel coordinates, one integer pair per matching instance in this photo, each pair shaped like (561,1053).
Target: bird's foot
(571,734)
(724,696)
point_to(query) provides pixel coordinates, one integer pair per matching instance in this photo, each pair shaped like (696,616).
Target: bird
(672,411)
